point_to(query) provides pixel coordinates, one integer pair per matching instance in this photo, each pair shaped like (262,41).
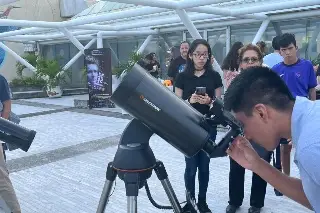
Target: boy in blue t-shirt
(299,76)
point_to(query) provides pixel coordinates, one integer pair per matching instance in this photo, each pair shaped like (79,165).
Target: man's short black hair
(275,43)
(257,85)
(287,39)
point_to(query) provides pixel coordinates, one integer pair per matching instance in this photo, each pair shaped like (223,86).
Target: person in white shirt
(273,58)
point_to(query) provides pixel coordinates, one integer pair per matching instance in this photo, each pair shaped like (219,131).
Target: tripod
(134,162)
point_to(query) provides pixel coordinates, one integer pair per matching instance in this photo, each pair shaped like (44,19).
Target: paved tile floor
(64,171)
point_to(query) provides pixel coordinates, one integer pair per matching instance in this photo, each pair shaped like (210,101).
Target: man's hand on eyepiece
(243,153)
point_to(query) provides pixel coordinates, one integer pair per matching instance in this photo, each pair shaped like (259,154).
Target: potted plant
(52,73)
(31,58)
(124,67)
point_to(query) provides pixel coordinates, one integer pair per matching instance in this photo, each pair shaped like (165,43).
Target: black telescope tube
(170,117)
(15,134)
(14,129)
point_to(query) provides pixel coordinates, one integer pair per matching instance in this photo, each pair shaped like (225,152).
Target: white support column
(17,57)
(79,54)
(313,40)
(261,30)
(184,36)
(112,52)
(72,39)
(145,44)
(228,39)
(205,35)
(99,40)
(188,23)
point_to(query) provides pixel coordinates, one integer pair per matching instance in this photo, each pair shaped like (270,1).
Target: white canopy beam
(128,32)
(145,44)
(78,55)
(185,4)
(225,12)
(188,23)
(72,39)
(261,30)
(194,7)
(106,33)
(152,22)
(168,4)
(195,34)
(80,21)
(281,5)
(18,57)
(83,23)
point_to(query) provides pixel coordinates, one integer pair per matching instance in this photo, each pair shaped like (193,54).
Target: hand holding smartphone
(201,90)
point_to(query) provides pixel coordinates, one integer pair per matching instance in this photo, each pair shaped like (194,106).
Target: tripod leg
(132,204)
(132,182)
(110,177)
(162,175)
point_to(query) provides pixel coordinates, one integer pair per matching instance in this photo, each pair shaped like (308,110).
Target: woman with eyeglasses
(198,84)
(249,56)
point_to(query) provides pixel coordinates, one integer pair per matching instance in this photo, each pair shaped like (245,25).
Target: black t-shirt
(176,67)
(318,71)
(188,83)
(5,93)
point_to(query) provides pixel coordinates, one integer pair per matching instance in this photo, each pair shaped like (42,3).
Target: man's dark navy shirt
(5,93)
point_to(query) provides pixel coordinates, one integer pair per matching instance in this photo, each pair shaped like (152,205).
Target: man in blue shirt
(273,58)
(297,73)
(299,76)
(262,102)
(7,192)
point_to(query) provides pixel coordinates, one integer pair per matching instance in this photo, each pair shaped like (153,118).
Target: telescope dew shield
(12,133)
(170,117)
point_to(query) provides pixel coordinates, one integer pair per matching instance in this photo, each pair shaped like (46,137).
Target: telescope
(16,135)
(157,110)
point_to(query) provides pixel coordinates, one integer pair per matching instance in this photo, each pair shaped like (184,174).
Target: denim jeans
(201,163)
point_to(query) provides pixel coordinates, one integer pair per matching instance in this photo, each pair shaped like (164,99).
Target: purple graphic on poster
(98,66)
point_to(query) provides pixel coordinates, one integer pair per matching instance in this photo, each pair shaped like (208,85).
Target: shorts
(284,141)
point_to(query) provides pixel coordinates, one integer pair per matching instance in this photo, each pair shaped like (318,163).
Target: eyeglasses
(198,55)
(248,60)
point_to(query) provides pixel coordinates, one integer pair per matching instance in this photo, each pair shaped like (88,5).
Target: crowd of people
(272,95)
(247,73)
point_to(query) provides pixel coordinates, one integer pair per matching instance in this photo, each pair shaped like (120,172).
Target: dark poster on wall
(98,67)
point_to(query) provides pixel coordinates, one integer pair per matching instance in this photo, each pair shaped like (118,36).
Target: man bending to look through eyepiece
(262,102)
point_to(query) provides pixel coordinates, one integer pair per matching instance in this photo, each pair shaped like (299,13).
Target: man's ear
(262,111)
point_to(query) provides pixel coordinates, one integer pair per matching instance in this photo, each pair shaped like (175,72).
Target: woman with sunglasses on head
(198,73)
(249,56)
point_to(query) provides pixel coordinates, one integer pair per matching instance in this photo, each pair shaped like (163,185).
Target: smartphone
(200,90)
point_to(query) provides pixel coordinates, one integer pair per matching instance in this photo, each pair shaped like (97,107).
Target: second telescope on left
(15,134)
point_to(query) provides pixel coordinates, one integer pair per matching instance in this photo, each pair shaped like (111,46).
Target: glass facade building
(220,39)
